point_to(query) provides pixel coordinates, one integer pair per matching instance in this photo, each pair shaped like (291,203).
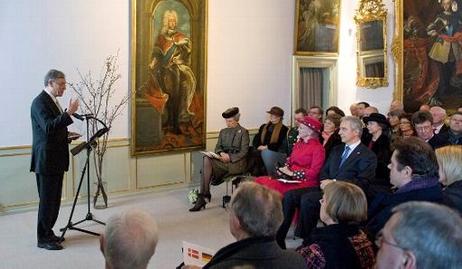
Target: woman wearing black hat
(230,159)
(379,142)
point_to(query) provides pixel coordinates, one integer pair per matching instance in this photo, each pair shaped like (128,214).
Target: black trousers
(300,198)
(49,190)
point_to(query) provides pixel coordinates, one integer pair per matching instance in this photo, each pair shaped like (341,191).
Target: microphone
(83,116)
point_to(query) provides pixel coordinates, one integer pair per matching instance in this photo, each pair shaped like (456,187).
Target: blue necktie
(345,155)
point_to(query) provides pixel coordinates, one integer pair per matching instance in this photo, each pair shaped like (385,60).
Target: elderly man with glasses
(420,235)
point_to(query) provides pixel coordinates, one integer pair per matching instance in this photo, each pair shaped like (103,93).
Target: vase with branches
(98,97)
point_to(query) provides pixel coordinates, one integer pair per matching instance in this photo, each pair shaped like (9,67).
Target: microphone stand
(88,145)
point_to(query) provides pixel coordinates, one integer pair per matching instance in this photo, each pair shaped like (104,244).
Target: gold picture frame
(168,75)
(371,36)
(317,24)
(419,43)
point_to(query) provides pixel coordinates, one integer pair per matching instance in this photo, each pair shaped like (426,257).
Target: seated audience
(341,243)
(361,106)
(292,134)
(369,110)
(379,142)
(439,117)
(414,174)
(423,124)
(335,110)
(366,136)
(396,105)
(406,129)
(129,240)
(424,107)
(254,216)
(352,162)
(450,172)
(232,147)
(330,137)
(354,110)
(453,136)
(305,162)
(421,235)
(394,120)
(270,144)
(316,112)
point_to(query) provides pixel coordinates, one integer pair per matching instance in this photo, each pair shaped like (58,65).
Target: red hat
(311,122)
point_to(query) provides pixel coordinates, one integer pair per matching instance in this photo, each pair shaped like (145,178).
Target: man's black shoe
(57,239)
(50,245)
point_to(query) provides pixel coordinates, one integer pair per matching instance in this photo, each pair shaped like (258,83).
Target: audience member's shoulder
(339,147)
(294,260)
(243,129)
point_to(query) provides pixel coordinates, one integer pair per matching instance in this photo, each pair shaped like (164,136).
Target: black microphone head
(77,116)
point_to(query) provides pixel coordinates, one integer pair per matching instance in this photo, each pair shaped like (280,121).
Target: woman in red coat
(304,163)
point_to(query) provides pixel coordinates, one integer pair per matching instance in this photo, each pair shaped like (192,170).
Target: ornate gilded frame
(397,51)
(368,11)
(142,44)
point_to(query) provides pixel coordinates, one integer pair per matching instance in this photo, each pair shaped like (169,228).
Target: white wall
(64,34)
(348,92)
(248,55)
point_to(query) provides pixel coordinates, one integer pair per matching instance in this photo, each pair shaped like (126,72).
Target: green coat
(234,141)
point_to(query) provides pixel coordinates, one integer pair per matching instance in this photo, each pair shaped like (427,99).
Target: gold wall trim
(397,49)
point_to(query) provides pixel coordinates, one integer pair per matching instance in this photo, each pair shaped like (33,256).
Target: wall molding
(126,175)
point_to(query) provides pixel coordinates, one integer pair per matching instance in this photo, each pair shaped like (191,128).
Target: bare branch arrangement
(97,98)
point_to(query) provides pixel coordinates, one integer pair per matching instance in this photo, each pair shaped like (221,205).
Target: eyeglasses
(380,240)
(423,128)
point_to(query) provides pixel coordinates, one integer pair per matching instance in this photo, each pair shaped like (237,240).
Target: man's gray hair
(52,75)
(355,123)
(433,233)
(258,209)
(130,239)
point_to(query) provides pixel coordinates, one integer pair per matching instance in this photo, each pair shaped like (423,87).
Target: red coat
(306,160)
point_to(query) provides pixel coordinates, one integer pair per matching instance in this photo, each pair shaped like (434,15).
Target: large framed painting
(428,53)
(168,69)
(317,27)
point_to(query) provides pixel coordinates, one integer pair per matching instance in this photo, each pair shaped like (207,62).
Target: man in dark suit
(414,174)
(351,161)
(423,124)
(254,216)
(50,154)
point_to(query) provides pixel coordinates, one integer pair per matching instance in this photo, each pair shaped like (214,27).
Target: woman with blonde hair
(450,172)
(341,243)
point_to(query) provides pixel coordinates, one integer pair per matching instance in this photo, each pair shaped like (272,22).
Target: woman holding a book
(304,163)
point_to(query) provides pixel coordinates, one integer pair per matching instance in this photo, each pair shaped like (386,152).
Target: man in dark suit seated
(254,216)
(231,150)
(351,161)
(50,154)
(453,136)
(423,124)
(414,173)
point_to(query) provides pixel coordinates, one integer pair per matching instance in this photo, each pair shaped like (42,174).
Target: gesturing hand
(73,106)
